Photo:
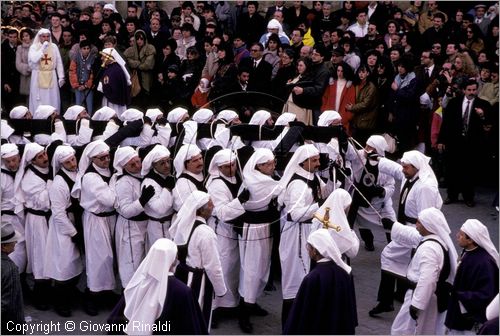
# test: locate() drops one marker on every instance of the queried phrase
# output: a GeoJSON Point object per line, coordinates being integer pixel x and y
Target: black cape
{"type": "Point", "coordinates": [325, 303]}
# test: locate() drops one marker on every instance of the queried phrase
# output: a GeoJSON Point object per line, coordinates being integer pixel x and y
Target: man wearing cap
{"type": "Point", "coordinates": [10, 165]}
{"type": "Point", "coordinates": [97, 198]}
{"type": "Point", "coordinates": [325, 302]}
{"type": "Point", "coordinates": [47, 71]}
{"type": "Point", "coordinates": [132, 222]}
{"type": "Point", "coordinates": [199, 262]}
{"type": "Point", "coordinates": [255, 239]}
{"type": "Point", "coordinates": [83, 132]}
{"type": "Point", "coordinates": [12, 295]}
{"type": "Point", "coordinates": [377, 187]}
{"type": "Point", "coordinates": [156, 170]}
{"type": "Point", "coordinates": [115, 81]}
{"type": "Point", "coordinates": [301, 198]}
{"type": "Point", "coordinates": [419, 191]}
{"type": "Point", "coordinates": [480, 19]}
{"type": "Point", "coordinates": [476, 281]}
{"type": "Point", "coordinates": [223, 185]}
{"type": "Point", "coordinates": [31, 190]}
{"type": "Point", "coordinates": [63, 261]}
{"type": "Point", "coordinates": [188, 165]}
{"type": "Point", "coordinates": [432, 266]}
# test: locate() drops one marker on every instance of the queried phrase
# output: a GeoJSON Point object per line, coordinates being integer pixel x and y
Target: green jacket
{"type": "Point", "coordinates": [366, 107]}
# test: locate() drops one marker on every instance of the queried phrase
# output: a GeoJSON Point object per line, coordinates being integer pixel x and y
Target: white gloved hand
{"type": "Point", "coordinates": [61, 82]}
{"type": "Point", "coordinates": [45, 45]}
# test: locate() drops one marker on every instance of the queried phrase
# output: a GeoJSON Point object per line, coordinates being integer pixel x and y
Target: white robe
{"type": "Point", "coordinates": [130, 235]}
{"type": "Point", "coordinates": [36, 196]}
{"type": "Point", "coordinates": [395, 257]}
{"type": "Point", "coordinates": [159, 206]}
{"type": "Point", "coordinates": [143, 140]}
{"type": "Point", "coordinates": [48, 96]}
{"type": "Point", "coordinates": [183, 188]}
{"type": "Point", "coordinates": [62, 257]}
{"type": "Point", "coordinates": [424, 269]}
{"type": "Point", "coordinates": [98, 197]}
{"type": "Point", "coordinates": [226, 208]}
{"type": "Point", "coordinates": [83, 137]}
{"type": "Point", "coordinates": [294, 258]}
{"type": "Point", "coordinates": [19, 256]}
{"type": "Point", "coordinates": [203, 253]}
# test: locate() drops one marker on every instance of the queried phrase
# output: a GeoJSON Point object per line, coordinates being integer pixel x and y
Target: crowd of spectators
{"type": "Point", "coordinates": [385, 66]}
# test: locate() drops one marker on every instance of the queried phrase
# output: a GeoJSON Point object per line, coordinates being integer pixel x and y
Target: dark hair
{"type": "Point", "coordinates": [406, 62]}
{"type": "Point", "coordinates": [187, 4]}
{"type": "Point", "coordinates": [228, 49]}
{"type": "Point", "coordinates": [261, 47]}
{"type": "Point", "coordinates": [13, 31]}
{"type": "Point", "coordinates": [255, 3]}
{"type": "Point", "coordinates": [307, 61]}
{"type": "Point", "coordinates": [188, 27]}
{"type": "Point", "coordinates": [348, 71]}
{"type": "Point", "coordinates": [469, 82]}
{"type": "Point", "coordinates": [170, 43]}
{"type": "Point", "coordinates": [273, 37]}
{"type": "Point", "coordinates": [28, 31]}
{"type": "Point", "coordinates": [56, 14]}
{"type": "Point", "coordinates": [300, 30]}
{"type": "Point", "coordinates": [132, 5]}
{"type": "Point", "coordinates": [110, 39]}
{"type": "Point", "coordinates": [440, 16]}
{"type": "Point", "coordinates": [290, 53]}
{"type": "Point", "coordinates": [84, 43]}
{"type": "Point", "coordinates": [395, 23]}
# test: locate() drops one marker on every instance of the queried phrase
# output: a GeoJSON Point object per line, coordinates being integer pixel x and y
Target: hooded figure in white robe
{"type": "Point", "coordinates": [45, 112]}
{"type": "Point", "coordinates": [97, 198]}
{"type": "Point", "coordinates": [17, 112]}
{"type": "Point", "coordinates": [223, 191]}
{"type": "Point", "coordinates": [105, 113]}
{"type": "Point", "coordinates": [256, 239]}
{"type": "Point", "coordinates": [146, 135]}
{"type": "Point", "coordinates": [131, 222]}
{"type": "Point", "coordinates": [8, 204]}
{"type": "Point", "coordinates": [47, 72]}
{"type": "Point", "coordinates": [160, 207]}
{"type": "Point", "coordinates": [199, 266]}
{"type": "Point", "coordinates": [202, 116]}
{"type": "Point", "coordinates": [83, 133]}
{"type": "Point", "coordinates": [424, 271]}
{"type": "Point", "coordinates": [163, 131]}
{"type": "Point", "coordinates": [187, 181]}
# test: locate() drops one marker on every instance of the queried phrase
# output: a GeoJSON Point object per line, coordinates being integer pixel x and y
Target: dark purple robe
{"type": "Point", "coordinates": [114, 85]}
{"type": "Point", "coordinates": [325, 303]}
{"type": "Point", "coordinates": [475, 285]}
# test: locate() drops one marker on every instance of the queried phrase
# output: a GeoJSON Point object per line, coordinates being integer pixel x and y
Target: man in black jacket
{"type": "Point", "coordinates": [10, 76]}
{"type": "Point", "coordinates": [261, 71]}
{"type": "Point", "coordinates": [465, 124]}
{"type": "Point", "coordinates": [312, 94]}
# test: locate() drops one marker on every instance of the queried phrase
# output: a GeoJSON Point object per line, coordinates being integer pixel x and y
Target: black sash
{"type": "Point", "coordinates": [45, 178]}
{"type": "Point", "coordinates": [443, 288]}
{"type": "Point", "coordinates": [99, 126]}
{"type": "Point", "coordinates": [9, 172]}
{"type": "Point", "coordinates": [21, 126]}
{"type": "Point", "coordinates": [76, 209]}
{"type": "Point", "coordinates": [142, 216]}
{"type": "Point", "coordinates": [233, 187]}
{"type": "Point", "coordinates": [313, 184]}
{"type": "Point", "coordinates": [43, 126]}
{"type": "Point", "coordinates": [198, 184]}
{"type": "Point", "coordinates": [70, 126]}
{"type": "Point", "coordinates": [168, 182]}
{"type": "Point", "coordinates": [182, 250]}
{"type": "Point", "coordinates": [402, 218]}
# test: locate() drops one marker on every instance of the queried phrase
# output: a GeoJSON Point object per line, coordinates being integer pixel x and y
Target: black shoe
{"type": "Point", "coordinates": [450, 200]}
{"type": "Point", "coordinates": [369, 246]}
{"type": "Point", "coordinates": [245, 325]}
{"type": "Point", "coordinates": [257, 310]}
{"type": "Point", "coordinates": [41, 306]}
{"type": "Point", "coordinates": [380, 308]}
{"type": "Point", "coordinates": [90, 304]}
{"type": "Point", "coordinates": [63, 311]}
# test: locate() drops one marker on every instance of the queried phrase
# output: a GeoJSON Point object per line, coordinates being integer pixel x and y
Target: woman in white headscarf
{"type": "Point", "coordinates": [47, 71]}
{"type": "Point", "coordinates": [63, 261]}
{"type": "Point", "coordinates": [420, 313]}
{"type": "Point", "coordinates": [154, 296]}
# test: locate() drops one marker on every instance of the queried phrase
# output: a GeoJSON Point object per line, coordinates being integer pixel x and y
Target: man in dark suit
{"type": "Point", "coordinates": [10, 76]}
{"type": "Point", "coordinates": [156, 36]}
{"type": "Point", "coordinates": [465, 125]}
{"type": "Point", "coordinates": [261, 71]}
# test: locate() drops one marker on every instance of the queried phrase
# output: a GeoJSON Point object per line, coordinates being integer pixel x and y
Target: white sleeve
{"type": "Point", "coordinates": [211, 261]}
{"type": "Point", "coordinates": [59, 199]}
{"type": "Point", "coordinates": [405, 235]}
{"type": "Point", "coordinates": [102, 191]}
{"type": "Point", "coordinates": [391, 168]}
{"type": "Point", "coordinates": [301, 210]}
{"type": "Point", "coordinates": [225, 207]}
{"type": "Point", "coordinates": [430, 264]}
{"type": "Point", "coordinates": [128, 206]}
{"type": "Point", "coordinates": [162, 201]}
{"type": "Point", "coordinates": [36, 190]}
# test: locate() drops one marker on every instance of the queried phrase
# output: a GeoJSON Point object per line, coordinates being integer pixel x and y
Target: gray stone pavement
{"type": "Point", "coordinates": [366, 271]}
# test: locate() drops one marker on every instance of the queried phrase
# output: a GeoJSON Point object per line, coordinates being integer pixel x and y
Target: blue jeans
{"type": "Point", "coordinates": [80, 97]}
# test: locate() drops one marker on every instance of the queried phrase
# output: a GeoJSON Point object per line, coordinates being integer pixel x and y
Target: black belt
{"type": "Point", "coordinates": [162, 219]}
{"type": "Point", "coordinates": [45, 214]}
{"type": "Point", "coordinates": [8, 212]}
{"type": "Point", "coordinates": [105, 214]}
{"type": "Point", "coordinates": [259, 217]}
{"type": "Point", "coordinates": [289, 219]}
{"type": "Point", "coordinates": [138, 218]}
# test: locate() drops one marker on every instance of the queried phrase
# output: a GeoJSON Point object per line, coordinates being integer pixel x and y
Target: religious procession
{"type": "Point", "coordinates": [169, 164]}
